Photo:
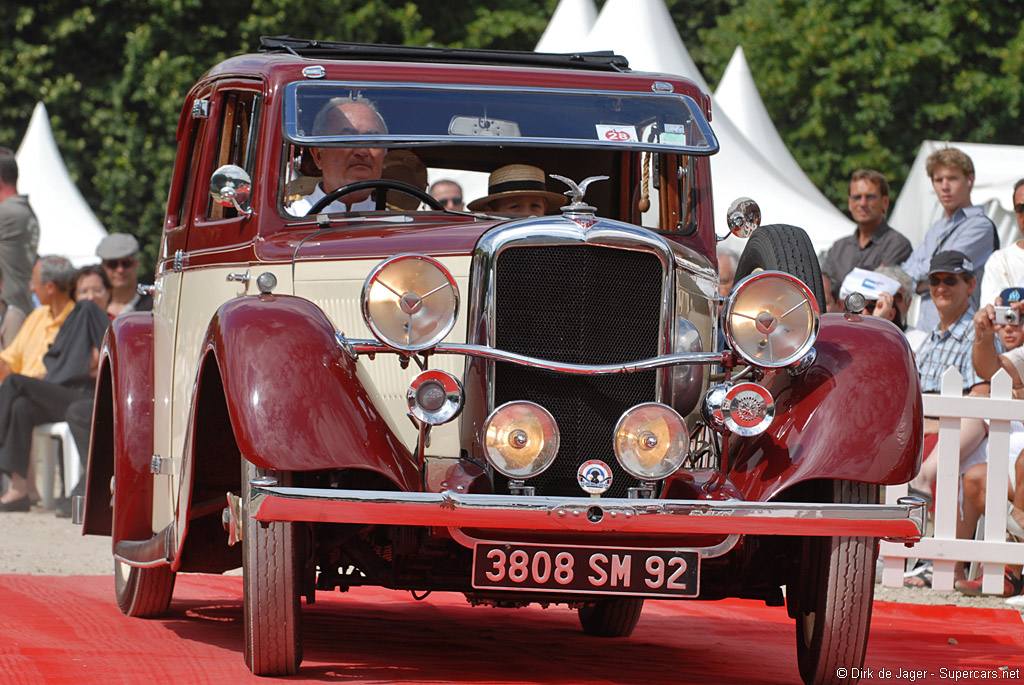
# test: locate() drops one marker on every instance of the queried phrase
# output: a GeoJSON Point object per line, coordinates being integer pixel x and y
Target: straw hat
{"type": "Point", "coordinates": [517, 179]}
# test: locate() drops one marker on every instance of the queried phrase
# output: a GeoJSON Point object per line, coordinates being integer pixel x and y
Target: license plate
{"type": "Point", "coordinates": [588, 570]}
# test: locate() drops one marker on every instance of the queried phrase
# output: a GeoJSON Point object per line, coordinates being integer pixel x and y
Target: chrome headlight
{"type": "Point", "coordinates": [651, 441]}
{"type": "Point", "coordinates": [771, 319]}
{"type": "Point", "coordinates": [520, 439]}
{"type": "Point", "coordinates": [410, 302]}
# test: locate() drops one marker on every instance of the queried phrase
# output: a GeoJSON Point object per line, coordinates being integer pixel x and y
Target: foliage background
{"type": "Point", "coordinates": [849, 85]}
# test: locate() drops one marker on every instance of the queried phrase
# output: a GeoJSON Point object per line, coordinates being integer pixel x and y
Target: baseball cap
{"type": "Point", "coordinates": [117, 246]}
{"type": "Point", "coordinates": [950, 262]}
{"type": "Point", "coordinates": [870, 284]}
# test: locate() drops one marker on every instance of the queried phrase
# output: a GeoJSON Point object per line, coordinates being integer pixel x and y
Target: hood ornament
{"type": "Point", "coordinates": [578, 210]}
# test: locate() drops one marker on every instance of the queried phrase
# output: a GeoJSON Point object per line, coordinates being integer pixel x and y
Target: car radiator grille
{"type": "Point", "coordinates": [580, 304]}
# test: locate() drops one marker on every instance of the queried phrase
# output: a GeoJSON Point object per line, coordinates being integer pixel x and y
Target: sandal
{"type": "Point", "coordinates": [921, 576]}
{"type": "Point", "coordinates": [1012, 585]}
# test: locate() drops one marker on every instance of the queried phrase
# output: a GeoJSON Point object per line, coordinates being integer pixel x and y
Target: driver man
{"type": "Point", "coordinates": [344, 165]}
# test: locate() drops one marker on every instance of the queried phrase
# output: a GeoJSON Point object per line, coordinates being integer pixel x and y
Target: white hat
{"type": "Point", "coordinates": [870, 284]}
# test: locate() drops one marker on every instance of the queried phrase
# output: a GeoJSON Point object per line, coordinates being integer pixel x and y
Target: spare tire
{"type": "Point", "coordinates": [780, 247]}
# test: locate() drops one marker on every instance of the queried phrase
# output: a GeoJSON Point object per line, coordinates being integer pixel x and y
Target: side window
{"type": "Point", "coordinates": [237, 140]}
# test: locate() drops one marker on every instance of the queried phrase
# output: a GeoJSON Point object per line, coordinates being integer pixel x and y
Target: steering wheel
{"type": "Point", "coordinates": [382, 184]}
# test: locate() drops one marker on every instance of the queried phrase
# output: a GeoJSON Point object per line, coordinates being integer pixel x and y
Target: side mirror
{"type": "Point", "coordinates": [231, 186]}
{"type": "Point", "coordinates": [743, 218]}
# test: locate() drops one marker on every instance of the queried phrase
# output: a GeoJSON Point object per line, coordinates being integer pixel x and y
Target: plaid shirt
{"type": "Point", "coordinates": [943, 349]}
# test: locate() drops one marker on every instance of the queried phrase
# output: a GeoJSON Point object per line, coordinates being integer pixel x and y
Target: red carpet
{"type": "Point", "coordinates": [69, 630]}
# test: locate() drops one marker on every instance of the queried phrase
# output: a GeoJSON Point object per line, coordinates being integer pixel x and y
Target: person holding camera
{"type": "Point", "coordinates": [1003, 320]}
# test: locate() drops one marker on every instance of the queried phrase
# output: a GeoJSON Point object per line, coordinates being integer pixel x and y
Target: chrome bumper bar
{"type": "Point", "coordinates": [354, 348]}
{"type": "Point", "coordinates": [902, 522]}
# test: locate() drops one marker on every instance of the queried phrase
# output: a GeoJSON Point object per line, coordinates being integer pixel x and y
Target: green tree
{"type": "Point", "coordinates": [114, 74]}
{"type": "Point", "coordinates": [862, 83]}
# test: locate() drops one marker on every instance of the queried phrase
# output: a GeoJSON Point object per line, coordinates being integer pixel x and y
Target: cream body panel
{"type": "Point", "coordinates": [202, 293]}
{"type": "Point", "coordinates": [335, 287]}
{"type": "Point", "coordinates": [165, 317]}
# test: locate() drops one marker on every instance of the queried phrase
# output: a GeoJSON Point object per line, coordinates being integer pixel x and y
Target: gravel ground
{"type": "Point", "coordinates": [38, 543]}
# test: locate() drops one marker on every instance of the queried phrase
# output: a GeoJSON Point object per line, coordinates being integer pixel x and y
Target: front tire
{"type": "Point", "coordinates": [616, 617]}
{"type": "Point", "coordinates": [143, 592]}
{"type": "Point", "coordinates": [780, 247]}
{"type": "Point", "coordinates": [271, 583]}
{"type": "Point", "coordinates": [835, 593]}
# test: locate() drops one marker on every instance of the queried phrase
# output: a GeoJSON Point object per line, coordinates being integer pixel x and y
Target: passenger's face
{"type": "Point", "coordinates": [449, 195]}
{"type": "Point", "coordinates": [344, 165]}
{"type": "Point", "coordinates": [952, 187]}
{"type": "Point", "coordinates": [90, 287]}
{"type": "Point", "coordinates": [521, 205]}
{"type": "Point", "coordinates": [867, 205]}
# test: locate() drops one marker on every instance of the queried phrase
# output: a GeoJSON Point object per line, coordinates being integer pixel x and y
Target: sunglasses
{"type": "Point", "coordinates": [451, 201]}
{"type": "Point", "coordinates": [126, 263]}
{"type": "Point", "coordinates": [1019, 208]}
{"type": "Point", "coordinates": [947, 280]}
{"type": "Point", "coordinates": [870, 197]}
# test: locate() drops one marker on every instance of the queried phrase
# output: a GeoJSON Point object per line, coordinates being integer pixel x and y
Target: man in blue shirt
{"type": "Point", "coordinates": [963, 227]}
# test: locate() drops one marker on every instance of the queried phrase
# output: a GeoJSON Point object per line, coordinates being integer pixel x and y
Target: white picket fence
{"type": "Point", "coordinates": [992, 549]}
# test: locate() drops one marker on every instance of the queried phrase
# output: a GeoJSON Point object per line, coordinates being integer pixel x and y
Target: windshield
{"type": "Point", "coordinates": [479, 115]}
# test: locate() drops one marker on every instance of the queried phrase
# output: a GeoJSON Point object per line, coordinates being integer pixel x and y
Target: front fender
{"type": "Point", "coordinates": [855, 414]}
{"type": "Point", "coordinates": [121, 442]}
{"type": "Point", "coordinates": [296, 402]}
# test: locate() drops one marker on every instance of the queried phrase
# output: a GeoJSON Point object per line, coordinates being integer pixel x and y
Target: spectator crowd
{"type": "Point", "coordinates": [53, 318]}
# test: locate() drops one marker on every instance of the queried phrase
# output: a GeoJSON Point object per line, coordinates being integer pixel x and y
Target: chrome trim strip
{"type": "Point", "coordinates": [357, 347]}
{"type": "Point", "coordinates": [451, 509]}
{"type": "Point", "coordinates": [468, 541]}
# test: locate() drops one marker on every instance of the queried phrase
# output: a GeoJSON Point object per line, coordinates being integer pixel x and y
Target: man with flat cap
{"type": "Point", "coordinates": [120, 255]}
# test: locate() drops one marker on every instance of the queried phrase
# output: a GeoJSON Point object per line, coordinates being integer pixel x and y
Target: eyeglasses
{"type": "Point", "coordinates": [450, 201]}
{"type": "Point", "coordinates": [870, 197]}
{"type": "Point", "coordinates": [126, 263]}
{"type": "Point", "coordinates": [1019, 208]}
{"type": "Point", "coordinates": [950, 281]}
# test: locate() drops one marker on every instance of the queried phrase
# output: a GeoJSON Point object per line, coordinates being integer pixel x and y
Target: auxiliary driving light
{"type": "Point", "coordinates": [748, 409]}
{"type": "Point", "coordinates": [651, 441]}
{"type": "Point", "coordinates": [520, 439]}
{"type": "Point", "coordinates": [410, 302]}
{"type": "Point", "coordinates": [435, 397]}
{"type": "Point", "coordinates": [771, 319]}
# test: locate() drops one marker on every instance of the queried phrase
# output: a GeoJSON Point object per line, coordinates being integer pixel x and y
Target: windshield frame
{"type": "Point", "coordinates": [292, 134]}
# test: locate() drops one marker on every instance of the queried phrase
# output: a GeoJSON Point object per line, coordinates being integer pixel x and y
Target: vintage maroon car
{"type": "Point", "coordinates": [557, 409]}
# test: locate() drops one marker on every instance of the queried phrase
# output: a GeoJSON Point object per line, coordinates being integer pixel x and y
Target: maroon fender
{"type": "Point", "coordinates": [855, 414]}
{"type": "Point", "coordinates": [293, 396]}
{"type": "Point", "coordinates": [122, 437]}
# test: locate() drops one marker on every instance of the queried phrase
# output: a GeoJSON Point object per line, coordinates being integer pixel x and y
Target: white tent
{"type": "Point", "coordinates": [996, 169]}
{"type": "Point", "coordinates": [738, 97]}
{"type": "Point", "coordinates": [67, 225]}
{"type": "Point", "coordinates": [643, 31]}
{"type": "Point", "coordinates": [568, 28]}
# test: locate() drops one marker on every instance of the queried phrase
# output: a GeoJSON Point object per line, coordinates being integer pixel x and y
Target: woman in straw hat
{"type": "Point", "coordinates": [518, 189]}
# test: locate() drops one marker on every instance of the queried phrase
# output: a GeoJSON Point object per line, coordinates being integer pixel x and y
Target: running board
{"type": "Point", "coordinates": [156, 551]}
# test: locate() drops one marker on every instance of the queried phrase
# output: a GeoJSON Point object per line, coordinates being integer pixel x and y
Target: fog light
{"type": "Point", "coordinates": [520, 439]}
{"type": "Point", "coordinates": [435, 397]}
{"type": "Point", "coordinates": [748, 409]}
{"type": "Point", "coordinates": [410, 302]}
{"type": "Point", "coordinates": [651, 441]}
